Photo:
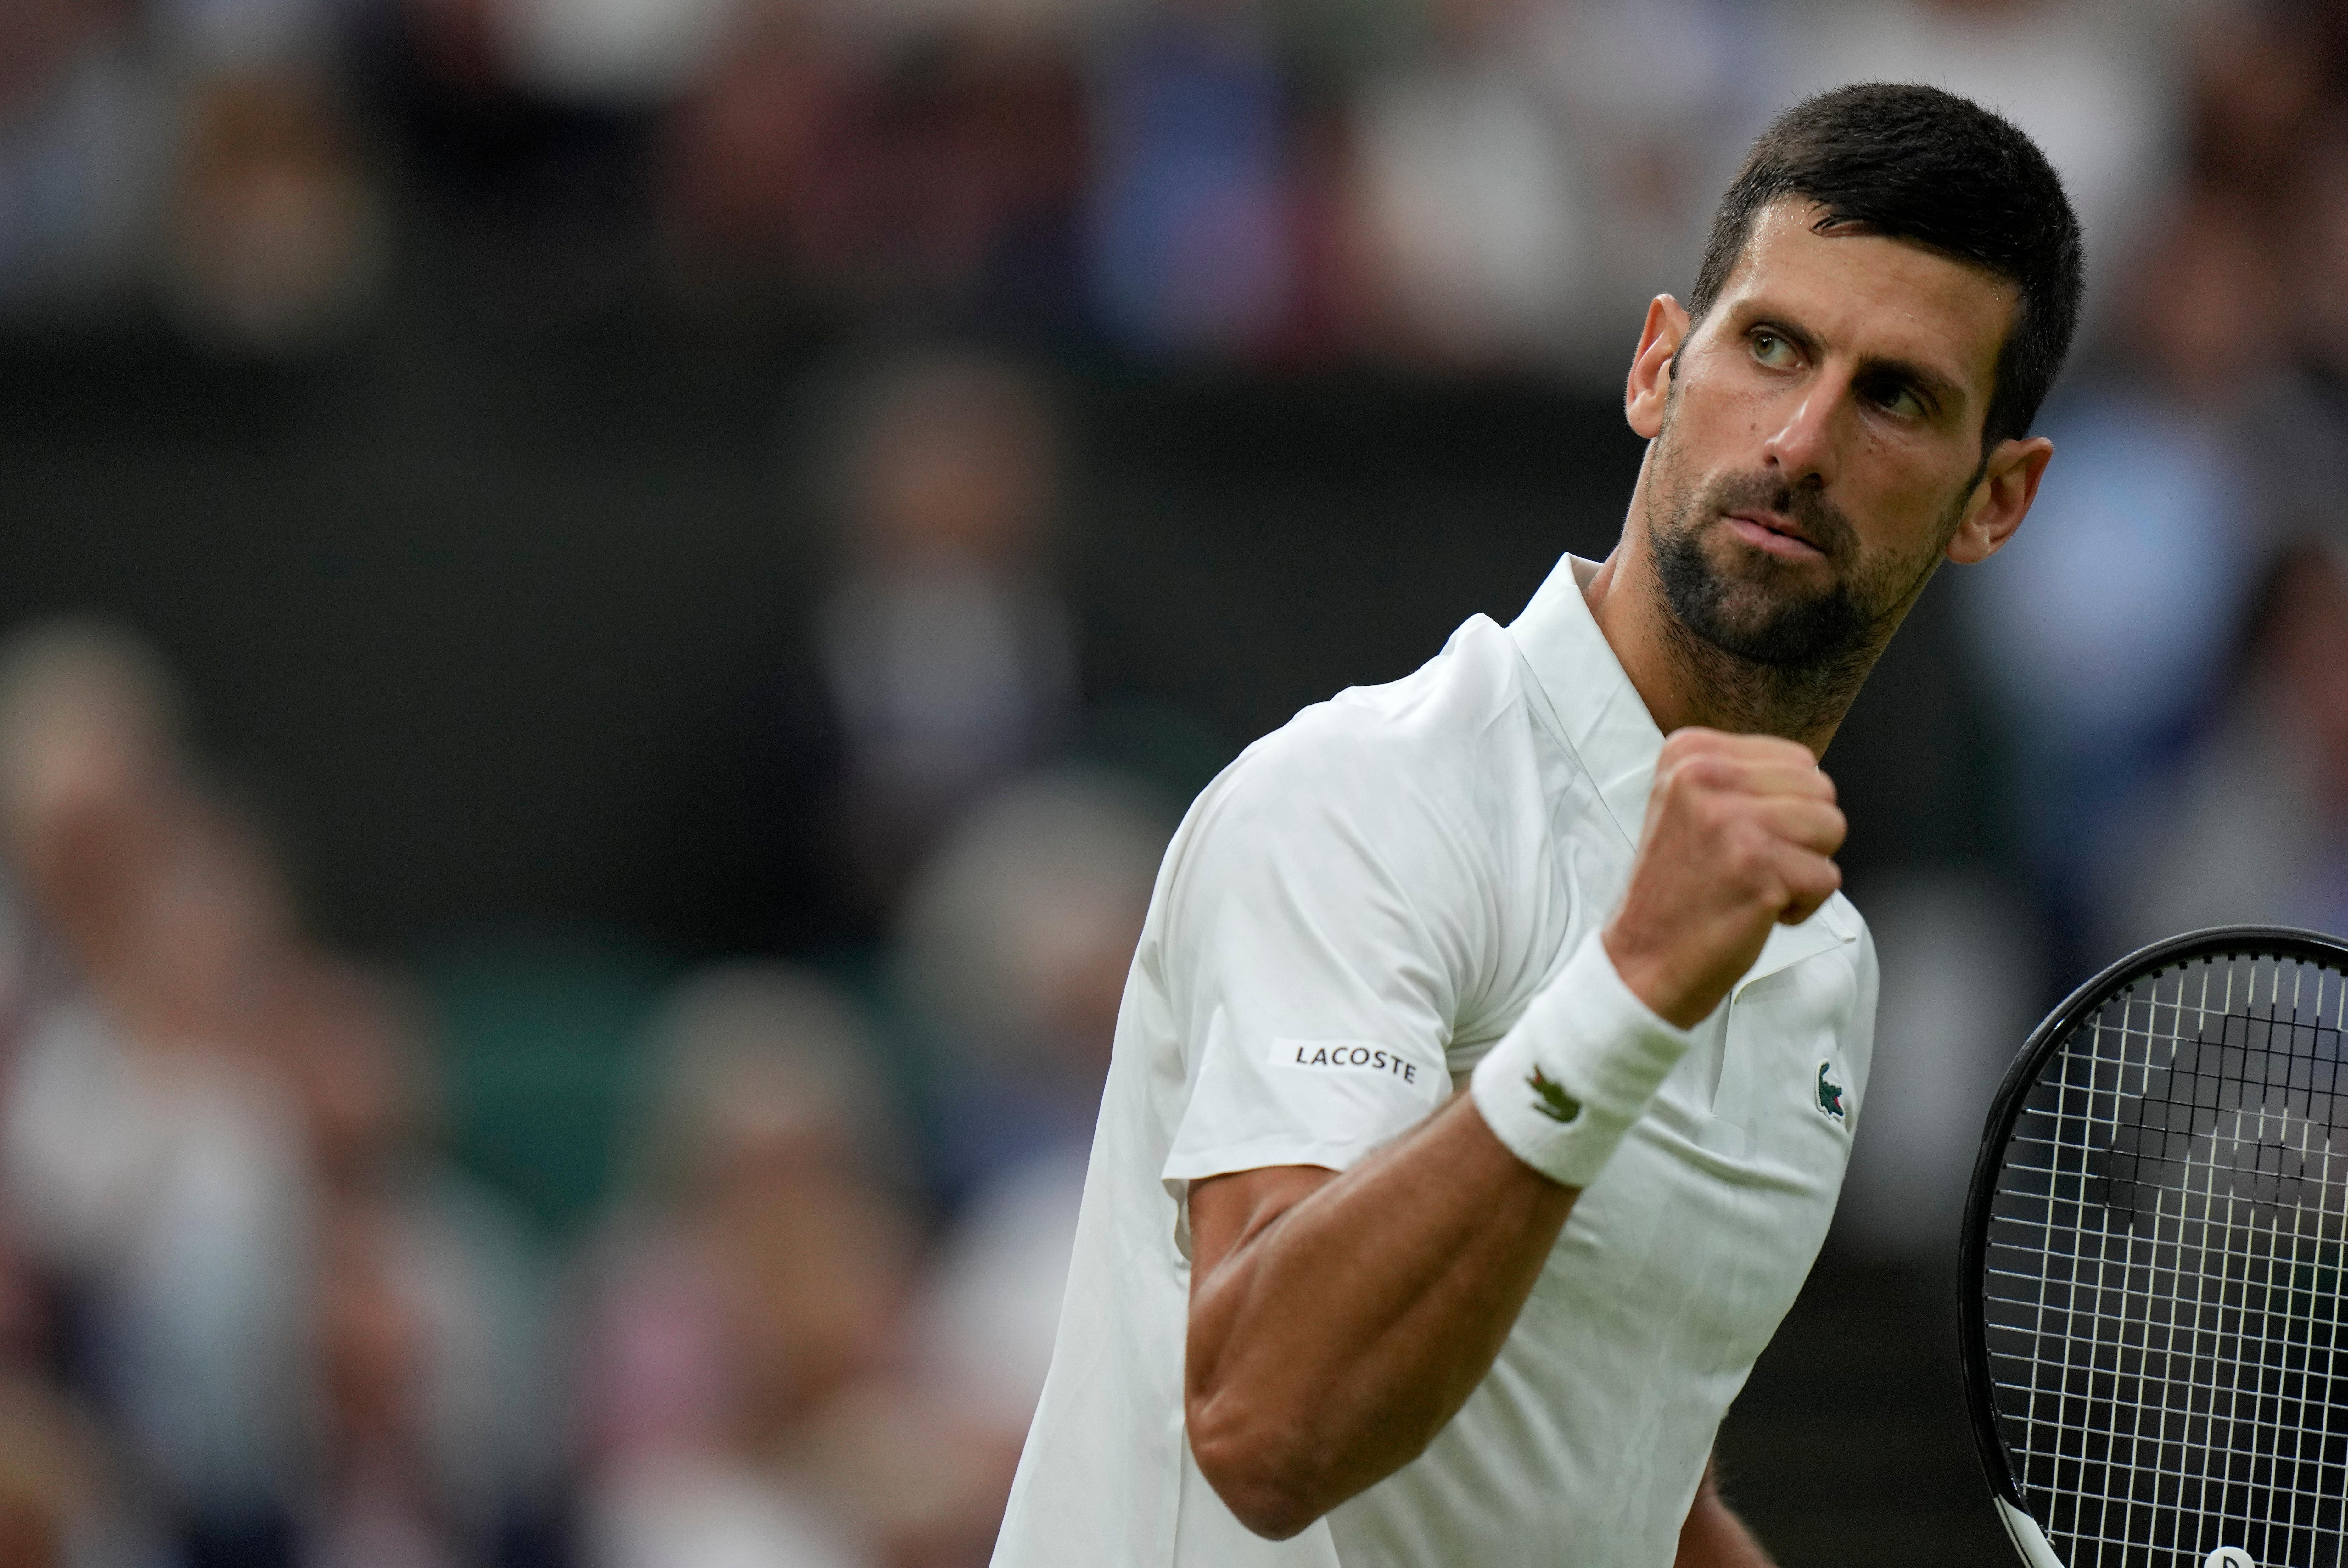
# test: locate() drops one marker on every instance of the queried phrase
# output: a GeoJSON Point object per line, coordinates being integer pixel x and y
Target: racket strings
{"type": "Point", "coordinates": [2163, 1278]}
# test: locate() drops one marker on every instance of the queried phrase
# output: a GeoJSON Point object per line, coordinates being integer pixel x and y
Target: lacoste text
{"type": "Point", "coordinates": [1370, 1057]}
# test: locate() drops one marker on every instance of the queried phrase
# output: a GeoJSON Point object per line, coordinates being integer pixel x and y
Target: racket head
{"type": "Point", "coordinates": [2161, 1182]}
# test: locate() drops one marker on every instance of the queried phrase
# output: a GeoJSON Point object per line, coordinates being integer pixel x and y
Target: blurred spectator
{"type": "Point", "coordinates": [615, 52]}
{"type": "Point", "coordinates": [81, 144]}
{"type": "Point", "coordinates": [747, 1391]}
{"type": "Point", "coordinates": [2257, 76]}
{"type": "Point", "coordinates": [942, 656]}
{"type": "Point", "coordinates": [192, 144]}
{"type": "Point", "coordinates": [2095, 82]}
{"type": "Point", "coordinates": [747, 153]}
{"type": "Point", "coordinates": [2103, 627]}
{"type": "Point", "coordinates": [1540, 170]}
{"type": "Point", "coordinates": [316, 1340]}
{"type": "Point", "coordinates": [1662, 97]}
{"type": "Point", "coordinates": [2254, 827]}
{"type": "Point", "coordinates": [436, 1418]}
{"type": "Point", "coordinates": [271, 237]}
{"type": "Point", "coordinates": [1471, 203]}
{"type": "Point", "coordinates": [1193, 226]}
{"type": "Point", "coordinates": [274, 242]}
{"type": "Point", "coordinates": [153, 1161]}
{"type": "Point", "coordinates": [90, 771]}
{"type": "Point", "coordinates": [1015, 944]}
{"type": "Point", "coordinates": [873, 155]}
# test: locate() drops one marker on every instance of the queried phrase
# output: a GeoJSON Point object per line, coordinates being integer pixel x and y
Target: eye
{"type": "Point", "coordinates": [1771, 350]}
{"type": "Point", "coordinates": [1898, 398]}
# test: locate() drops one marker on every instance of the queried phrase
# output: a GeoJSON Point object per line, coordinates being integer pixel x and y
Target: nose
{"type": "Point", "coordinates": [1802, 448]}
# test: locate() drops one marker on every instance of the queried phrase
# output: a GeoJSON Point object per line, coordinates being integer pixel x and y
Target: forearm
{"type": "Point", "coordinates": [1331, 1342]}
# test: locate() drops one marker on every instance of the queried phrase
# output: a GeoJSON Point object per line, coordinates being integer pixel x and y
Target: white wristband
{"type": "Point", "coordinates": [1565, 1084]}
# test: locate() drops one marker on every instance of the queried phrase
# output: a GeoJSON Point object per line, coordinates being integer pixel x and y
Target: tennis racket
{"type": "Point", "coordinates": [2152, 1297]}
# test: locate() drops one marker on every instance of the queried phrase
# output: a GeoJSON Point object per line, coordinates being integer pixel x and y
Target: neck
{"type": "Point", "coordinates": [1685, 680]}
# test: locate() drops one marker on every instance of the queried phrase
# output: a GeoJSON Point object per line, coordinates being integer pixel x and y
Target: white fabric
{"type": "Point", "coordinates": [1349, 919]}
{"type": "Point", "coordinates": [168, 1181]}
{"type": "Point", "coordinates": [1580, 1068]}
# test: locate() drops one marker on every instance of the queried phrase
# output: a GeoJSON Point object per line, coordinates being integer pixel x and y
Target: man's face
{"type": "Point", "coordinates": [1821, 441]}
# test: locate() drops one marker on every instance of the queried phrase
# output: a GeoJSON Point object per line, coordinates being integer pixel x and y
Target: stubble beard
{"type": "Point", "coordinates": [1771, 651]}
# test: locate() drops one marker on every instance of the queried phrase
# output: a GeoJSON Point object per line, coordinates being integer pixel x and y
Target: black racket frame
{"type": "Point", "coordinates": [1972, 1328]}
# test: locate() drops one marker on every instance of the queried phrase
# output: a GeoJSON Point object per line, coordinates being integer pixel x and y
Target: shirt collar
{"type": "Point", "coordinates": [1598, 712]}
{"type": "Point", "coordinates": [1588, 698]}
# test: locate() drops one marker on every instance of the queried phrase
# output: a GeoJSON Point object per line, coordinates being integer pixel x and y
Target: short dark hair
{"type": "Point", "coordinates": [1918, 164]}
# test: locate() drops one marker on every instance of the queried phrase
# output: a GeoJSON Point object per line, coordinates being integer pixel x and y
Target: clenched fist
{"type": "Point", "coordinates": [1740, 834]}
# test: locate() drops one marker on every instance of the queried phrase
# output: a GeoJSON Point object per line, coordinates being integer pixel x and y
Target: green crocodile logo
{"type": "Point", "coordinates": [1552, 1101]}
{"type": "Point", "coordinates": [1830, 1095]}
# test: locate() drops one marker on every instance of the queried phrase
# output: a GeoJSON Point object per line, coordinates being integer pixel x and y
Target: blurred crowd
{"type": "Point", "coordinates": [254, 1307]}
{"type": "Point", "coordinates": [252, 1313]}
{"type": "Point", "coordinates": [1460, 184]}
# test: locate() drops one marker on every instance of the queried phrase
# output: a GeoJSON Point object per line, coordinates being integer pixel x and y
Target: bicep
{"type": "Point", "coordinates": [1227, 1214]}
{"type": "Point", "coordinates": [1230, 1211]}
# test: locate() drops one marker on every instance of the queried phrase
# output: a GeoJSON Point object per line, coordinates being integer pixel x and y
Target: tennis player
{"type": "Point", "coordinates": [1488, 1067]}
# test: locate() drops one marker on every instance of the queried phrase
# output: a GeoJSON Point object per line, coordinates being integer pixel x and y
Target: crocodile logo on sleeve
{"type": "Point", "coordinates": [1552, 1101]}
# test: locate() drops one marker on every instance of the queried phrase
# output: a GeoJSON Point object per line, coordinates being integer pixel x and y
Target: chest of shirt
{"type": "Point", "coordinates": [1768, 1091]}
{"type": "Point", "coordinates": [1692, 1243]}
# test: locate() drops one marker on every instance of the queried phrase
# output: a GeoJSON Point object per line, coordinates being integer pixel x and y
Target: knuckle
{"type": "Point", "coordinates": [1706, 772]}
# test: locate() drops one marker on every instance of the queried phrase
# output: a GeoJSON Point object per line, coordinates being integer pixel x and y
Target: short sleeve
{"type": "Point", "coordinates": [1314, 993]}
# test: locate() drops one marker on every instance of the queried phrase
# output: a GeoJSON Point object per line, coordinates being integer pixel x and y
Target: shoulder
{"type": "Point", "coordinates": [1421, 742]}
{"type": "Point", "coordinates": [1402, 790]}
{"type": "Point", "coordinates": [1427, 764]}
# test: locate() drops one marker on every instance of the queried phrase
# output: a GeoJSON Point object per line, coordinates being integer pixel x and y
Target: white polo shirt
{"type": "Point", "coordinates": [1348, 919]}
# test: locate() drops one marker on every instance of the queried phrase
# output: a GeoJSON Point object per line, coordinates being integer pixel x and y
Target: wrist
{"type": "Point", "coordinates": [1564, 1086]}
{"type": "Point", "coordinates": [1652, 976]}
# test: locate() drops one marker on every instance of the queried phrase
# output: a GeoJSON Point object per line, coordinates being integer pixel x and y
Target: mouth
{"type": "Point", "coordinates": [1775, 533]}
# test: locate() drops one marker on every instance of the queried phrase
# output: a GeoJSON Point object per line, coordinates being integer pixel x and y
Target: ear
{"type": "Point", "coordinates": [2009, 484]}
{"type": "Point", "coordinates": [1650, 385]}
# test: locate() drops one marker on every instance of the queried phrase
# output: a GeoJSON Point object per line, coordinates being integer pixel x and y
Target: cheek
{"type": "Point", "coordinates": [1906, 505]}
{"type": "Point", "coordinates": [1711, 431]}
